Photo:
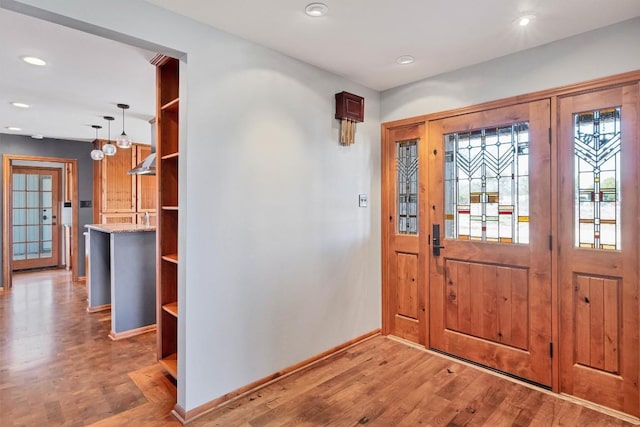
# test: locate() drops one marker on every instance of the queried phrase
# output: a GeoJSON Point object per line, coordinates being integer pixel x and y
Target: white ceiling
{"type": "Point", "coordinates": [361, 39]}
{"type": "Point", "coordinates": [87, 76]}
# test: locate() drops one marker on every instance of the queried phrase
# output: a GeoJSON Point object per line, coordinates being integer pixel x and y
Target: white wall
{"type": "Point", "coordinates": [599, 53]}
{"type": "Point", "coordinates": [277, 261]}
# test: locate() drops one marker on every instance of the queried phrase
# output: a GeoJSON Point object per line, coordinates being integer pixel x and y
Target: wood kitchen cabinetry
{"type": "Point", "coordinates": [121, 198]}
{"type": "Point", "coordinates": [168, 155]}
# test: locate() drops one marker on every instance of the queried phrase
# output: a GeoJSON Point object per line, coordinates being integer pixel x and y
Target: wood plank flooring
{"type": "Point", "coordinates": [58, 367]}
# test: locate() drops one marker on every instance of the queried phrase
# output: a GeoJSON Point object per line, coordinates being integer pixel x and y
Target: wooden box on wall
{"type": "Point", "coordinates": [349, 106]}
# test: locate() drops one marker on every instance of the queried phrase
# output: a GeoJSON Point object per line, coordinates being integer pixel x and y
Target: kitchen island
{"type": "Point", "coordinates": [121, 275]}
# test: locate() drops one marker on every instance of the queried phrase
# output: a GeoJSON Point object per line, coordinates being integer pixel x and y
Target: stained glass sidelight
{"type": "Point", "coordinates": [597, 179]}
{"type": "Point", "coordinates": [487, 184]}
{"type": "Point", "coordinates": [407, 187]}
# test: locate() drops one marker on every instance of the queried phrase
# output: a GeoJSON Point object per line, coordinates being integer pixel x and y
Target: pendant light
{"type": "Point", "coordinates": [123, 141]}
{"type": "Point", "coordinates": [109, 149]}
{"type": "Point", "coordinates": [97, 153]}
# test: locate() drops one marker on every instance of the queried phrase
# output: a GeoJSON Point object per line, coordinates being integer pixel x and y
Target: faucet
{"type": "Point", "coordinates": [146, 219]}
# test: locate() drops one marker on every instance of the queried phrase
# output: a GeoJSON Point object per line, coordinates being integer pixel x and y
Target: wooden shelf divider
{"type": "Point", "coordinates": [170, 363]}
{"type": "Point", "coordinates": [171, 105]}
{"type": "Point", "coordinates": [171, 156]}
{"type": "Point", "coordinates": [171, 308]}
{"type": "Point", "coordinates": [171, 258]}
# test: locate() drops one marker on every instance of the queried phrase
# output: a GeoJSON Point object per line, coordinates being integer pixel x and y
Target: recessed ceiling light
{"type": "Point", "coordinates": [316, 10]}
{"type": "Point", "coordinates": [405, 59]}
{"type": "Point", "coordinates": [34, 61]}
{"type": "Point", "coordinates": [13, 128]}
{"type": "Point", "coordinates": [20, 105]}
{"type": "Point", "coordinates": [525, 20]}
{"type": "Point", "coordinates": [37, 136]}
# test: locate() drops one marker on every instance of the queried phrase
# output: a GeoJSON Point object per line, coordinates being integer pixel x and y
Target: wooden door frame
{"type": "Point", "coordinates": [553, 94]}
{"type": "Point", "coordinates": [7, 169]}
{"type": "Point", "coordinates": [59, 171]}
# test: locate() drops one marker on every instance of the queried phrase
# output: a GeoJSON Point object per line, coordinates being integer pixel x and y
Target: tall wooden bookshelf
{"type": "Point", "coordinates": [167, 156]}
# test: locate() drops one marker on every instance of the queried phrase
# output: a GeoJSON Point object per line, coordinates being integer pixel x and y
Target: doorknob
{"type": "Point", "coordinates": [436, 240]}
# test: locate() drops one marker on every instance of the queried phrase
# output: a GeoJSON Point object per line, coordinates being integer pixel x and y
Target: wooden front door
{"type": "Point", "coordinates": [404, 245]}
{"type": "Point", "coordinates": [35, 205]}
{"type": "Point", "coordinates": [598, 247]}
{"type": "Point", "coordinates": [490, 224]}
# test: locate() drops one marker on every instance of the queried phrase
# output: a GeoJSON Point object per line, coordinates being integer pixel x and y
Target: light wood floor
{"type": "Point", "coordinates": [58, 367]}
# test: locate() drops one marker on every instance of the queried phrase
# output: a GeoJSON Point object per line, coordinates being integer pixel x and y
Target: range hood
{"type": "Point", "coordinates": [145, 167]}
{"type": "Point", "coordinates": [148, 165]}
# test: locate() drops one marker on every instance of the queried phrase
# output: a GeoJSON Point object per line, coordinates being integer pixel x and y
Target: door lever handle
{"type": "Point", "coordinates": [436, 240]}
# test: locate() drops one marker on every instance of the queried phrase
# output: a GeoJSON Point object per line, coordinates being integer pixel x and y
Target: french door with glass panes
{"type": "Point", "coordinates": [489, 224]}
{"type": "Point", "coordinates": [35, 205]}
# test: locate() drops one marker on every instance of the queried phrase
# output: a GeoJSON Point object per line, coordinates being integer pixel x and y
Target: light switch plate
{"type": "Point", "coordinates": [362, 200]}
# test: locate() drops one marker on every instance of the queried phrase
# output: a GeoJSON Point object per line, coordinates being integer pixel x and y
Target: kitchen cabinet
{"type": "Point", "coordinates": [121, 275]}
{"type": "Point", "coordinates": [119, 197]}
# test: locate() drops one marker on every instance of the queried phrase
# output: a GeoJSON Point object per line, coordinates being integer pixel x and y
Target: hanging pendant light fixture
{"type": "Point", "coordinates": [97, 153]}
{"type": "Point", "coordinates": [123, 141]}
{"type": "Point", "coordinates": [109, 149]}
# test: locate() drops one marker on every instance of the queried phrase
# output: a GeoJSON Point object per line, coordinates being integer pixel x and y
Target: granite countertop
{"type": "Point", "coordinates": [120, 228]}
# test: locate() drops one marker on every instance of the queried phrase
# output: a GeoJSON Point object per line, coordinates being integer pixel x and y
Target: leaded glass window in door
{"type": "Point", "coordinates": [407, 185]}
{"type": "Point", "coordinates": [597, 144]}
{"type": "Point", "coordinates": [487, 184]}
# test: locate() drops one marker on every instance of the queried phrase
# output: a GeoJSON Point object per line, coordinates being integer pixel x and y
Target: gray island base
{"type": "Point", "coordinates": [121, 275]}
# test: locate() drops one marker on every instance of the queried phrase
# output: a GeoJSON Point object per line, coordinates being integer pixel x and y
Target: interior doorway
{"type": "Point", "coordinates": [35, 192]}
{"type": "Point", "coordinates": [35, 211]}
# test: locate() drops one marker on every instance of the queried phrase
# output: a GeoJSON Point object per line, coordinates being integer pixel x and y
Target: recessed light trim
{"type": "Point", "coordinates": [14, 128]}
{"type": "Point", "coordinates": [525, 19]}
{"type": "Point", "coordinates": [405, 59]}
{"type": "Point", "coordinates": [20, 105]}
{"type": "Point", "coordinates": [316, 10]}
{"type": "Point", "coordinates": [34, 61]}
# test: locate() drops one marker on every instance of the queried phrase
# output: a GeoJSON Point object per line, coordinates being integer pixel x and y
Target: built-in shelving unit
{"type": "Point", "coordinates": [167, 229]}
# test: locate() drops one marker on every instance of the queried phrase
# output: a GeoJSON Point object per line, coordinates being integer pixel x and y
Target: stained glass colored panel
{"type": "Point", "coordinates": [487, 184]}
{"type": "Point", "coordinates": [597, 142]}
{"type": "Point", "coordinates": [407, 187]}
